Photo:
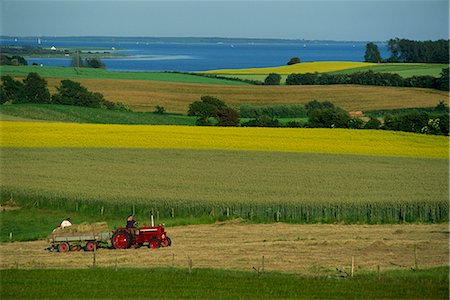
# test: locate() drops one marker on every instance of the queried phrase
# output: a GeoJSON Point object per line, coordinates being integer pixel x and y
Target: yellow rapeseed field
{"type": "Point", "coordinates": [364, 142]}
{"type": "Point", "coordinates": [307, 67]}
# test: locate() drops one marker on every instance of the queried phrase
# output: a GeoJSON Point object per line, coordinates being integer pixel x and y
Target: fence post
{"type": "Point", "coordinates": [103, 208]}
{"type": "Point", "coordinates": [379, 273]}
{"type": "Point", "coordinates": [10, 236]}
{"type": "Point", "coordinates": [93, 257]}
{"type": "Point", "coordinates": [353, 265]}
{"type": "Point", "coordinates": [416, 267]}
{"type": "Point", "coordinates": [262, 264]}
{"type": "Point", "coordinates": [173, 212]}
{"type": "Point", "coordinates": [190, 265]}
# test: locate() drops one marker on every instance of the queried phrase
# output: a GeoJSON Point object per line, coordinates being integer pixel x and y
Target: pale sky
{"type": "Point", "coordinates": [333, 19]}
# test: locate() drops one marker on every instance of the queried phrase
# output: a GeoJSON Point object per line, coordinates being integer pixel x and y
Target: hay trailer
{"type": "Point", "coordinates": [75, 241]}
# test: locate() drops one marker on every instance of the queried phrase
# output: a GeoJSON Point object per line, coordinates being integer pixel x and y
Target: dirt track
{"type": "Point", "coordinates": [289, 248]}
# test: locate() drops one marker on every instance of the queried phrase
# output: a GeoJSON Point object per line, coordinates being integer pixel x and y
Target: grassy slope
{"type": "Point", "coordinates": [217, 284]}
{"type": "Point", "coordinates": [175, 97]}
{"type": "Point", "coordinates": [169, 177]}
{"type": "Point", "coordinates": [64, 113]}
{"type": "Point", "coordinates": [73, 73]}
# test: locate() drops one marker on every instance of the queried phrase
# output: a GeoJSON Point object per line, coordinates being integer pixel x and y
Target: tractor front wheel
{"type": "Point", "coordinates": [166, 242]}
{"type": "Point", "coordinates": [154, 244]}
{"type": "Point", "coordinates": [121, 239]}
{"type": "Point", "coordinates": [90, 246]}
{"type": "Point", "coordinates": [63, 247]}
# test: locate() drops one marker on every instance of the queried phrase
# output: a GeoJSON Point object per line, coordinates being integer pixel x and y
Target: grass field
{"type": "Point", "coordinates": [76, 73]}
{"type": "Point", "coordinates": [209, 284]}
{"type": "Point", "coordinates": [76, 114]}
{"type": "Point", "coordinates": [175, 97]}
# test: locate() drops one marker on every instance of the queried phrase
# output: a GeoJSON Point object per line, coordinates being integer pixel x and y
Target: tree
{"type": "Point", "coordinates": [206, 108]}
{"type": "Point", "coordinates": [272, 79]}
{"type": "Point", "coordinates": [35, 89]}
{"type": "Point", "coordinates": [77, 61]}
{"type": "Point", "coordinates": [12, 91]}
{"type": "Point", "coordinates": [159, 109]}
{"type": "Point", "coordinates": [228, 117]}
{"type": "Point", "coordinates": [293, 61]}
{"type": "Point", "coordinates": [73, 93]}
{"type": "Point", "coordinates": [373, 123]}
{"type": "Point", "coordinates": [372, 53]}
{"type": "Point", "coordinates": [94, 63]}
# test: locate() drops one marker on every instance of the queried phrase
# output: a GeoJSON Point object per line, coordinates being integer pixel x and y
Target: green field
{"type": "Point", "coordinates": [265, 186]}
{"type": "Point", "coordinates": [76, 114]}
{"type": "Point", "coordinates": [217, 284]}
{"type": "Point", "coordinates": [74, 73]}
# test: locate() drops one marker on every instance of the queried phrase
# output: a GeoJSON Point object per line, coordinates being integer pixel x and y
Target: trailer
{"type": "Point", "coordinates": [76, 241]}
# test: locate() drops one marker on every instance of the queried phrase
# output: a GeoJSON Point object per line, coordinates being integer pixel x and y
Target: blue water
{"type": "Point", "coordinates": [204, 56]}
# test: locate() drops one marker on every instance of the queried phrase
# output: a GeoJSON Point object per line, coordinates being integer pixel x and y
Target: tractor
{"type": "Point", "coordinates": [153, 236]}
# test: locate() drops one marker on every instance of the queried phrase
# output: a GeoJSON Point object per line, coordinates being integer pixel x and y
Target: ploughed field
{"type": "Point", "coordinates": [294, 175]}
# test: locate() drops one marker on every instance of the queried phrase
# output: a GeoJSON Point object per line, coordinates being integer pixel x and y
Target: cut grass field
{"type": "Point", "coordinates": [216, 284]}
{"type": "Point", "coordinates": [144, 95]}
{"type": "Point", "coordinates": [77, 73]}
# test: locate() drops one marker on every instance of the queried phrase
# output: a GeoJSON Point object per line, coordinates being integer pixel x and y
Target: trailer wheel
{"type": "Point", "coordinates": [154, 244]}
{"type": "Point", "coordinates": [63, 247]}
{"type": "Point", "coordinates": [90, 246]}
{"type": "Point", "coordinates": [121, 239]}
{"type": "Point", "coordinates": [166, 242]}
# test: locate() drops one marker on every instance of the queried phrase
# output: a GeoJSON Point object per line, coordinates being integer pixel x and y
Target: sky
{"type": "Point", "coordinates": [363, 20]}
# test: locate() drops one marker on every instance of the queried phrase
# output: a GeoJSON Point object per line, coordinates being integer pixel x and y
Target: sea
{"type": "Point", "coordinates": [196, 54]}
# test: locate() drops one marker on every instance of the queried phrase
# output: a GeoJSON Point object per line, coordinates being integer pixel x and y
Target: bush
{"type": "Point", "coordinates": [373, 123]}
{"type": "Point", "coordinates": [272, 79]}
{"type": "Point", "coordinates": [94, 63]}
{"type": "Point", "coordinates": [279, 111]}
{"type": "Point", "coordinates": [262, 121]}
{"type": "Point", "coordinates": [293, 61]}
{"type": "Point", "coordinates": [207, 107]}
{"type": "Point", "coordinates": [159, 109]}
{"type": "Point", "coordinates": [329, 118]}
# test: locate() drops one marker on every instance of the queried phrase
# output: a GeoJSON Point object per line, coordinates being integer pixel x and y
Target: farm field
{"type": "Point", "coordinates": [403, 69]}
{"type": "Point", "coordinates": [313, 249]}
{"type": "Point", "coordinates": [77, 73]}
{"type": "Point", "coordinates": [144, 95]}
{"type": "Point", "coordinates": [306, 67]}
{"type": "Point", "coordinates": [212, 284]}
{"type": "Point", "coordinates": [318, 140]}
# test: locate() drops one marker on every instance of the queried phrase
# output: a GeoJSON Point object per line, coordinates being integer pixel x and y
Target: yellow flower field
{"type": "Point", "coordinates": [364, 142]}
{"type": "Point", "coordinates": [307, 67]}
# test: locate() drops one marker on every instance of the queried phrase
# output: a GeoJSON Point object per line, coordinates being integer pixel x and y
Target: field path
{"type": "Point", "coordinates": [305, 249]}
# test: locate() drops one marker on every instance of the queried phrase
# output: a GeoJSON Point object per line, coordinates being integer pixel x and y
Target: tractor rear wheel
{"type": "Point", "coordinates": [90, 246]}
{"type": "Point", "coordinates": [154, 244]}
{"type": "Point", "coordinates": [63, 247]}
{"type": "Point", "coordinates": [166, 242]}
{"type": "Point", "coordinates": [121, 239]}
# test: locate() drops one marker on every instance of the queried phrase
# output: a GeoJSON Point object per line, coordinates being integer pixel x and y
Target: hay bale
{"type": "Point", "coordinates": [87, 227]}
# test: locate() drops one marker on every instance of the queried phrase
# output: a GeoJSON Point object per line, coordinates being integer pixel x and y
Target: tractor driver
{"type": "Point", "coordinates": [131, 222]}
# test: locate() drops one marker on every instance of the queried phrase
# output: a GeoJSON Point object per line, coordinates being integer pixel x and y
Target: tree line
{"type": "Point", "coordinates": [372, 78]}
{"type": "Point", "coordinates": [33, 89]}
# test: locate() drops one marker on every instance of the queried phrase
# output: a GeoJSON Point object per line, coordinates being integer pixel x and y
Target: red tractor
{"type": "Point", "coordinates": [153, 236]}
